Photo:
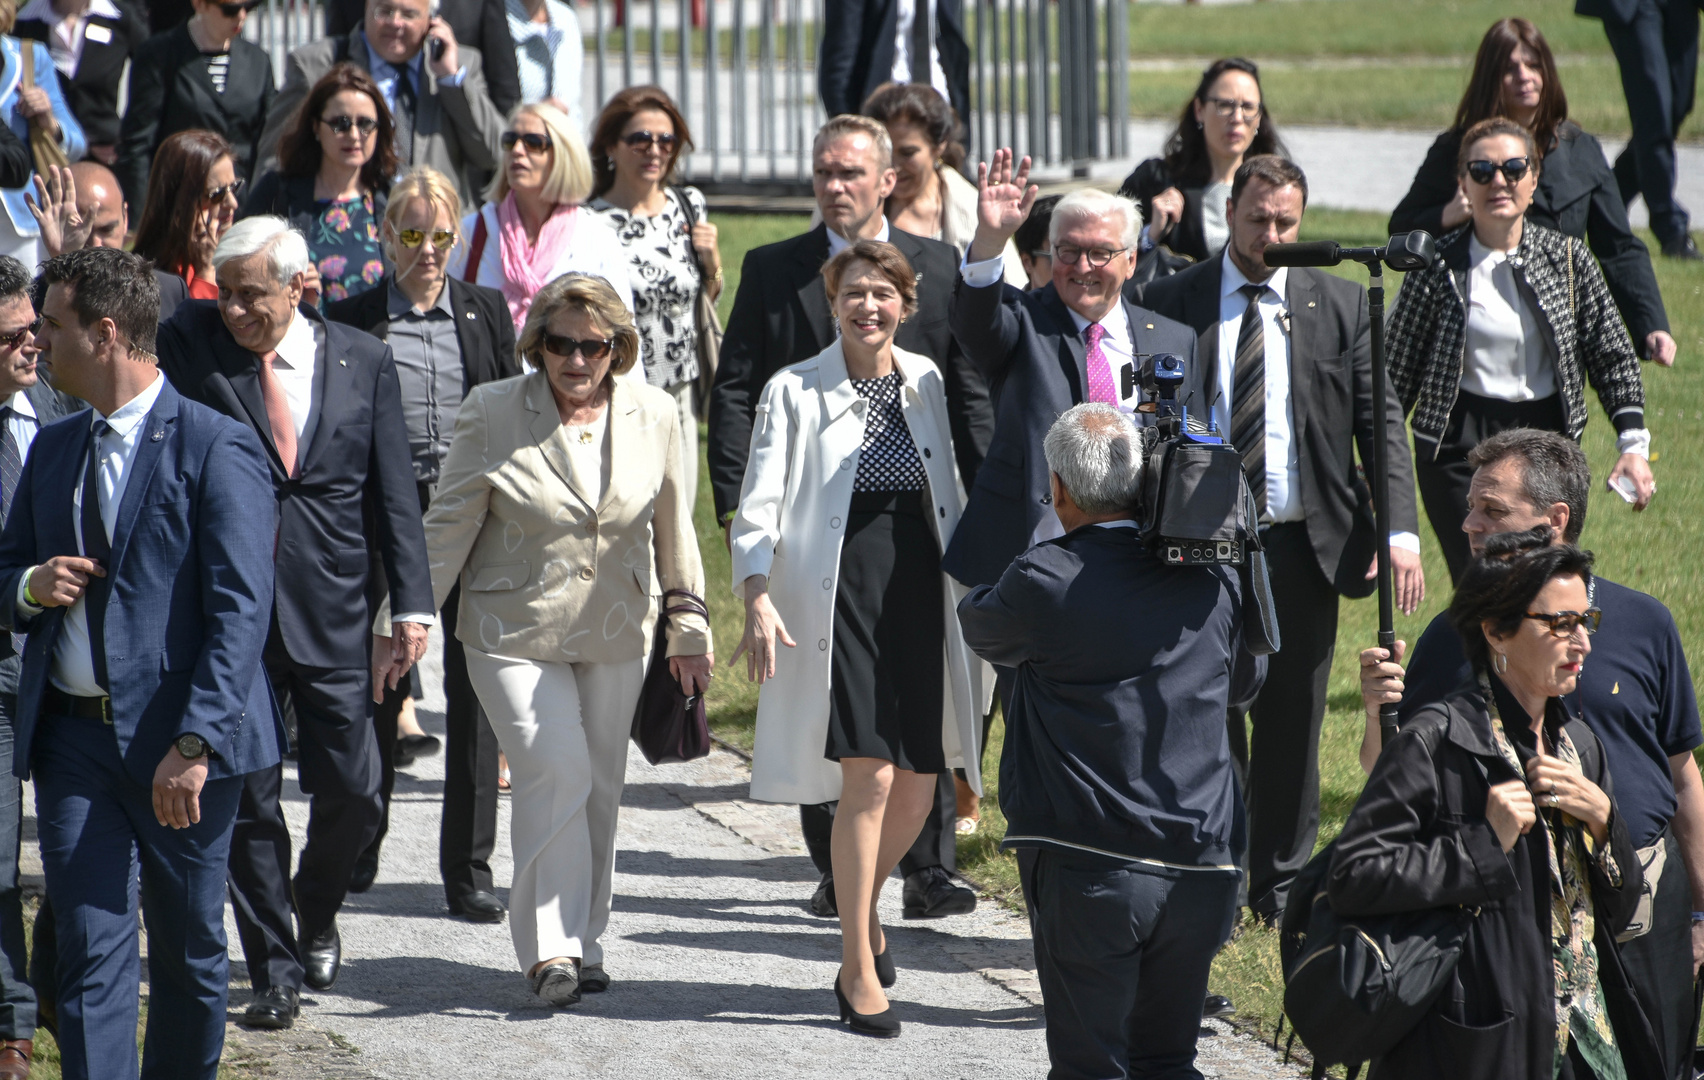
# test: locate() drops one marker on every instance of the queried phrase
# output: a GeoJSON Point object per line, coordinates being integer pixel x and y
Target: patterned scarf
{"type": "Point", "coordinates": [526, 267]}
{"type": "Point", "coordinates": [1580, 1009]}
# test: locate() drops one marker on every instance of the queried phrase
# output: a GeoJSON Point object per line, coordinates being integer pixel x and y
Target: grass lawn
{"type": "Point", "coordinates": [1650, 551]}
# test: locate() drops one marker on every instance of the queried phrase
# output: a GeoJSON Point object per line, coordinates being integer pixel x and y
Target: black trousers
{"type": "Point", "coordinates": [467, 832]}
{"type": "Point", "coordinates": [338, 762]}
{"type": "Point", "coordinates": [1445, 477]}
{"type": "Point", "coordinates": [17, 1000]}
{"type": "Point", "coordinates": [936, 845]}
{"type": "Point", "coordinates": [1658, 55]}
{"type": "Point", "coordinates": [1279, 768]}
{"type": "Point", "coordinates": [1122, 953]}
{"type": "Point", "coordinates": [1659, 965]}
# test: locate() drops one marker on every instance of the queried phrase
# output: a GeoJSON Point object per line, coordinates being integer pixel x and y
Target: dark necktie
{"type": "Point", "coordinates": [11, 462]}
{"type": "Point", "coordinates": [405, 110]}
{"type": "Point", "coordinates": [922, 43]}
{"type": "Point", "coordinates": [1248, 395]}
{"type": "Point", "coordinates": [96, 546]}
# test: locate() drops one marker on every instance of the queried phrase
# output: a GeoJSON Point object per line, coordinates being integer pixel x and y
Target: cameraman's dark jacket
{"type": "Point", "coordinates": [1115, 739]}
{"type": "Point", "coordinates": [1418, 838]}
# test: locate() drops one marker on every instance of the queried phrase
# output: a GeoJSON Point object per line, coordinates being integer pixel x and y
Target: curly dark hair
{"type": "Point", "coordinates": [1501, 585]}
{"type": "Point", "coordinates": [177, 185]}
{"type": "Point", "coordinates": [299, 150]}
{"type": "Point", "coordinates": [1185, 153]}
{"type": "Point", "coordinates": [923, 105]}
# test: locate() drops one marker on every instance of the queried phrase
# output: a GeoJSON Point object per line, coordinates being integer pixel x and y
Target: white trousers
{"type": "Point", "coordinates": [564, 728]}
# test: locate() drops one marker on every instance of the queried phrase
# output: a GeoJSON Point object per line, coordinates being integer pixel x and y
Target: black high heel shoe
{"type": "Point", "coordinates": [885, 973]}
{"type": "Point", "coordinates": [882, 1025]}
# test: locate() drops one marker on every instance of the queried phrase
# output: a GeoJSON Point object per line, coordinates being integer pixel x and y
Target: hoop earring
{"type": "Point", "coordinates": [1501, 664]}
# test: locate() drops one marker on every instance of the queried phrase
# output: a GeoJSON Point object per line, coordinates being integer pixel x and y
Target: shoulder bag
{"type": "Point", "coordinates": [704, 319]}
{"type": "Point", "coordinates": [669, 725]}
{"type": "Point", "coordinates": [44, 148]}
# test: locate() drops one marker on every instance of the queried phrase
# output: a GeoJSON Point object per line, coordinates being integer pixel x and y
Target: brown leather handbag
{"type": "Point", "coordinates": [44, 147]}
{"type": "Point", "coordinates": [668, 724]}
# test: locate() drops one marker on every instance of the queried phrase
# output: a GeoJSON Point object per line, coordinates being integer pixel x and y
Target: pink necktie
{"type": "Point", "coordinates": [278, 413]}
{"type": "Point", "coordinates": [1100, 369]}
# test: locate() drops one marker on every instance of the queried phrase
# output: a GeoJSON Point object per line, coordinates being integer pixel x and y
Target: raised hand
{"type": "Point", "coordinates": [62, 227]}
{"type": "Point", "coordinates": [1004, 197]}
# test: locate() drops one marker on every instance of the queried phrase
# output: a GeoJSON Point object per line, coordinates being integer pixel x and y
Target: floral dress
{"type": "Point", "coordinates": [345, 248]}
{"type": "Point", "coordinates": [665, 279]}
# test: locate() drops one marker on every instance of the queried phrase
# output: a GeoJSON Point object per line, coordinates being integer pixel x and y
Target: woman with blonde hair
{"type": "Point", "coordinates": [534, 227]}
{"type": "Point", "coordinates": [561, 512]}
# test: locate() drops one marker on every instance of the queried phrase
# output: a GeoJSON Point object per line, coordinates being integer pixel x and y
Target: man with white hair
{"type": "Point", "coordinates": [1116, 780]}
{"type": "Point", "coordinates": [1073, 341]}
{"type": "Point", "coordinates": [323, 398]}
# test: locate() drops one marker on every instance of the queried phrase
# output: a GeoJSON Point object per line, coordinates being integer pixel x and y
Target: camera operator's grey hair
{"type": "Point", "coordinates": [1095, 203]}
{"type": "Point", "coordinates": [1097, 454]}
{"type": "Point", "coordinates": [15, 280]}
{"type": "Point", "coordinates": [286, 249]}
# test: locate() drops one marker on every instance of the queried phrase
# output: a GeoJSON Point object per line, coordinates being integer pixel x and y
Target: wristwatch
{"type": "Point", "coordinates": [192, 746]}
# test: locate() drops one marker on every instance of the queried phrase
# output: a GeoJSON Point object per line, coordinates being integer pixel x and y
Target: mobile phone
{"type": "Point", "coordinates": [1623, 486]}
{"type": "Point", "coordinates": [437, 47]}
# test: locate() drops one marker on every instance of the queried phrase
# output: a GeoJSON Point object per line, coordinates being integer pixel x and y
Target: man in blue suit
{"type": "Point", "coordinates": [138, 558]}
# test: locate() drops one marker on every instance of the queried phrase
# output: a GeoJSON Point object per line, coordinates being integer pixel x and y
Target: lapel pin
{"type": "Point", "coordinates": [1310, 303]}
{"type": "Point", "coordinates": [343, 363]}
{"type": "Point", "coordinates": [157, 436]}
{"type": "Point", "coordinates": [471, 315]}
{"type": "Point", "coordinates": [1150, 326]}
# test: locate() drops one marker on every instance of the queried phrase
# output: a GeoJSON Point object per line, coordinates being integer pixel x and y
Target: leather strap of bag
{"type": "Point", "coordinates": [27, 52]}
{"type": "Point", "coordinates": [475, 249]}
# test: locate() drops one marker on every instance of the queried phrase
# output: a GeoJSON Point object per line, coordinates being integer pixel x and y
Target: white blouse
{"type": "Point", "coordinates": [1504, 356]}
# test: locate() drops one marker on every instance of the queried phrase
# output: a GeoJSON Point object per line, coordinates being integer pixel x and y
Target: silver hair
{"type": "Point", "coordinates": [1097, 454]}
{"type": "Point", "coordinates": [1095, 203]}
{"type": "Point", "coordinates": [286, 249]}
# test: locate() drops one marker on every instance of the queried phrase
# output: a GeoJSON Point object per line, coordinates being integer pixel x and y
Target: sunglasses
{"type": "Point", "coordinates": [644, 140]}
{"type": "Point", "coordinates": [1481, 172]}
{"type": "Point", "coordinates": [342, 125]}
{"type": "Point", "coordinates": [234, 189]}
{"type": "Point", "coordinates": [231, 11]}
{"type": "Point", "coordinates": [1098, 257]}
{"type": "Point", "coordinates": [532, 140]}
{"type": "Point", "coordinates": [593, 349]}
{"type": "Point", "coordinates": [413, 238]}
{"type": "Point", "coordinates": [16, 337]}
{"type": "Point", "coordinates": [1563, 623]}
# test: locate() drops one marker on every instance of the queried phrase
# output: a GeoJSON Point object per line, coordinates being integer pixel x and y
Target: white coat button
{"type": "Point", "coordinates": [828, 583]}
{"type": "Point", "coordinates": [822, 644]}
{"type": "Point", "coordinates": [834, 523]}
{"type": "Point", "coordinates": [585, 573]}
{"type": "Point", "coordinates": [847, 464]}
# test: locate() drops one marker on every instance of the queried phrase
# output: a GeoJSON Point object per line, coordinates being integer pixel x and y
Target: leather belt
{"type": "Point", "coordinates": [83, 708]}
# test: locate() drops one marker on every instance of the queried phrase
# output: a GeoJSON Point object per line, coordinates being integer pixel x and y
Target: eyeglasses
{"type": "Point", "coordinates": [1481, 172]}
{"type": "Point", "coordinates": [593, 349]}
{"type": "Point", "coordinates": [532, 140]}
{"type": "Point", "coordinates": [1098, 257]}
{"type": "Point", "coordinates": [413, 238]}
{"type": "Point", "coordinates": [392, 13]}
{"type": "Point", "coordinates": [1229, 107]}
{"type": "Point", "coordinates": [231, 11]}
{"type": "Point", "coordinates": [644, 140]}
{"type": "Point", "coordinates": [16, 337]}
{"type": "Point", "coordinates": [1562, 623]}
{"type": "Point", "coordinates": [366, 125]}
{"type": "Point", "coordinates": [234, 189]}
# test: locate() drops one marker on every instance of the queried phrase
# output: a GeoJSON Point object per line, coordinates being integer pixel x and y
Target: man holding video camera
{"type": "Point", "coordinates": [1288, 360]}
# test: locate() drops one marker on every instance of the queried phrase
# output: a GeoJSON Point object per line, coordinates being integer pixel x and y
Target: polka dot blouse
{"type": "Point", "coordinates": [888, 461]}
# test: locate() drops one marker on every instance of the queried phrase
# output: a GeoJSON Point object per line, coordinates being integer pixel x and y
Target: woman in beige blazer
{"type": "Point", "coordinates": [562, 511]}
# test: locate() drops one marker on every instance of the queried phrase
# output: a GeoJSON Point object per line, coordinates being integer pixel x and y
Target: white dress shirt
{"type": "Point", "coordinates": [1504, 355]}
{"type": "Point", "coordinates": [903, 63]}
{"type": "Point", "coordinates": [838, 243]}
{"type": "Point", "coordinates": [73, 669]}
{"type": "Point", "coordinates": [23, 423]}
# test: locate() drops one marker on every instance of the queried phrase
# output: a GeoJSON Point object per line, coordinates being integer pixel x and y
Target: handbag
{"type": "Point", "coordinates": [705, 321]}
{"type": "Point", "coordinates": [668, 724]}
{"type": "Point", "coordinates": [44, 148]}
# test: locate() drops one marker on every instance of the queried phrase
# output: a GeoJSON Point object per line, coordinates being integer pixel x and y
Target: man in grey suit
{"type": "Point", "coordinates": [443, 112]}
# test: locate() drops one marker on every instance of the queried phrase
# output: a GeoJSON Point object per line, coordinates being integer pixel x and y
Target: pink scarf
{"type": "Point", "coordinates": [526, 268]}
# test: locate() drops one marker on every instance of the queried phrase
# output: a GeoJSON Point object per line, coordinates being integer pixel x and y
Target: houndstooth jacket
{"type": "Point", "coordinates": [1582, 330]}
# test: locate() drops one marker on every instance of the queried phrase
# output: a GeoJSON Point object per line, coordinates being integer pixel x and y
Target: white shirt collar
{"type": "Point", "coordinates": [297, 347]}
{"type": "Point", "coordinates": [125, 418]}
{"type": "Point", "coordinates": [838, 243]}
{"type": "Point", "coordinates": [1116, 322]}
{"type": "Point", "coordinates": [43, 10]}
{"type": "Point", "coordinates": [20, 404]}
{"type": "Point", "coordinates": [1233, 278]}
{"type": "Point", "coordinates": [1478, 253]}
{"type": "Point", "coordinates": [1121, 523]}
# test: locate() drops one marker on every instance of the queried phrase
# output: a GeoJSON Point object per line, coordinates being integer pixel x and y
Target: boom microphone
{"type": "Point", "coordinates": [1312, 253]}
{"type": "Point", "coordinates": [1405, 251]}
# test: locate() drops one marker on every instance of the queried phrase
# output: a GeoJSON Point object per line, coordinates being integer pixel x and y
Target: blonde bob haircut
{"type": "Point", "coordinates": [569, 181]}
{"type": "Point", "coordinates": [888, 261]}
{"type": "Point", "coordinates": [592, 296]}
{"type": "Point", "coordinates": [427, 183]}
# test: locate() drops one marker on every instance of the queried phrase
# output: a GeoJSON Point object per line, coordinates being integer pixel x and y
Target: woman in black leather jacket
{"type": "Point", "coordinates": [1498, 800]}
{"type": "Point", "coordinates": [1515, 75]}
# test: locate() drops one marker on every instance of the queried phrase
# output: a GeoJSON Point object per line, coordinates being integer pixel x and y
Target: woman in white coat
{"type": "Point", "coordinates": [850, 497]}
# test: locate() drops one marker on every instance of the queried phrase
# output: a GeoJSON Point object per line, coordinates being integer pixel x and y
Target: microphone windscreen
{"type": "Point", "coordinates": [1312, 253]}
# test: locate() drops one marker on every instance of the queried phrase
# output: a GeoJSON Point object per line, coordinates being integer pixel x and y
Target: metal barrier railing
{"type": "Point", "coordinates": [278, 26]}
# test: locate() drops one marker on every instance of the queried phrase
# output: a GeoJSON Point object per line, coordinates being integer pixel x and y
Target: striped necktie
{"type": "Point", "coordinates": [1248, 395]}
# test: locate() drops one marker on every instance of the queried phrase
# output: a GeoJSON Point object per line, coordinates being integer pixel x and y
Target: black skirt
{"type": "Point", "coordinates": [889, 630]}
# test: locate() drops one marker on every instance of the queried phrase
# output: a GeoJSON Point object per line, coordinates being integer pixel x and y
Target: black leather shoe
{"type": "Point", "coordinates": [409, 747]}
{"type": "Point", "coordinates": [823, 904]}
{"type": "Point", "coordinates": [882, 1025]}
{"type": "Point", "coordinates": [478, 907]}
{"type": "Point", "coordinates": [885, 973]}
{"type": "Point", "coordinates": [931, 894]}
{"type": "Point", "coordinates": [1682, 248]}
{"type": "Point", "coordinates": [593, 979]}
{"type": "Point", "coordinates": [366, 871]}
{"type": "Point", "coordinates": [274, 1009]}
{"type": "Point", "coordinates": [1217, 1006]}
{"type": "Point", "coordinates": [321, 958]}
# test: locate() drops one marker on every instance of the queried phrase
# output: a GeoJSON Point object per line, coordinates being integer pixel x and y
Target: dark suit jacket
{"type": "Point", "coordinates": [359, 451]}
{"type": "Point", "coordinates": [170, 91]}
{"type": "Point", "coordinates": [781, 316]}
{"type": "Point", "coordinates": [16, 165]}
{"type": "Point", "coordinates": [50, 405]}
{"type": "Point", "coordinates": [174, 290]}
{"type": "Point", "coordinates": [484, 24]}
{"type": "Point", "coordinates": [1331, 396]}
{"type": "Point", "coordinates": [483, 327]}
{"type": "Point", "coordinates": [190, 576]}
{"type": "Point", "coordinates": [857, 53]}
{"type": "Point", "coordinates": [1028, 349]}
{"type": "Point", "coordinates": [92, 92]}
{"type": "Point", "coordinates": [292, 198]}
{"type": "Point", "coordinates": [1149, 179]}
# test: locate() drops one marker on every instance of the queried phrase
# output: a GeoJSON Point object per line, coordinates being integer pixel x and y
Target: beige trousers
{"type": "Point", "coordinates": [564, 728]}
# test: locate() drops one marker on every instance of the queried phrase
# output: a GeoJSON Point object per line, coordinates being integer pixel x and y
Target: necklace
{"type": "Point", "coordinates": [584, 435]}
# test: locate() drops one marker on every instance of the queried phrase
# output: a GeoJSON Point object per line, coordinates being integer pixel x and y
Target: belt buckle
{"type": "Point", "coordinates": [106, 710]}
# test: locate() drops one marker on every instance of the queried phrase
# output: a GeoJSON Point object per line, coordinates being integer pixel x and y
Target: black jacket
{"type": "Point", "coordinates": [781, 316]}
{"type": "Point", "coordinates": [16, 165]}
{"type": "Point", "coordinates": [1027, 348]}
{"type": "Point", "coordinates": [49, 405]}
{"type": "Point", "coordinates": [359, 451]}
{"type": "Point", "coordinates": [92, 93]}
{"type": "Point", "coordinates": [1186, 237]}
{"type": "Point", "coordinates": [1577, 195]}
{"type": "Point", "coordinates": [292, 198]}
{"type": "Point", "coordinates": [170, 91]}
{"type": "Point", "coordinates": [1331, 398]}
{"type": "Point", "coordinates": [1116, 741]}
{"type": "Point", "coordinates": [1418, 838]}
{"type": "Point", "coordinates": [483, 24]}
{"type": "Point", "coordinates": [858, 38]}
{"type": "Point", "coordinates": [484, 327]}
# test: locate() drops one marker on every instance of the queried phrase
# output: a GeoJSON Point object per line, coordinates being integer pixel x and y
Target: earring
{"type": "Point", "coordinates": [1501, 663]}
{"type": "Point", "coordinates": [1199, 126]}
